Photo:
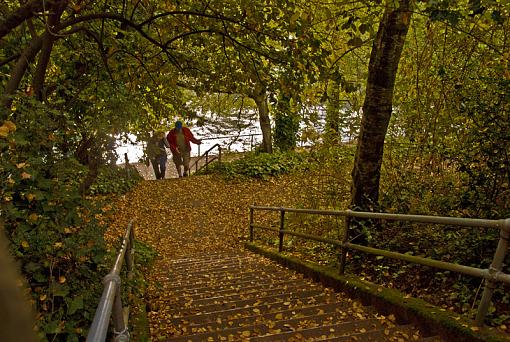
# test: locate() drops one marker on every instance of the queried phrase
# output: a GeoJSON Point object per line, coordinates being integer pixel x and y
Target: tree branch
{"type": "Point", "coordinates": [23, 13]}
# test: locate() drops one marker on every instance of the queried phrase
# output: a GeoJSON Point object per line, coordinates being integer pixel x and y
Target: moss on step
{"type": "Point", "coordinates": [430, 319]}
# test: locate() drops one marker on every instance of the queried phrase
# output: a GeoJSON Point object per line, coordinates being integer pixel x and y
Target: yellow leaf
{"type": "Point", "coordinates": [33, 217]}
{"type": "Point", "coordinates": [475, 328]}
{"type": "Point", "coordinates": [42, 297]}
{"type": "Point", "coordinates": [25, 244]}
{"type": "Point", "coordinates": [10, 125]}
{"type": "Point", "coordinates": [21, 165]}
{"type": "Point", "coordinates": [58, 245]}
{"type": "Point", "coordinates": [30, 197]}
{"type": "Point", "coordinates": [25, 175]}
{"type": "Point", "coordinates": [62, 279]}
{"type": "Point", "coordinates": [246, 333]}
{"type": "Point", "coordinates": [278, 316]}
{"type": "Point", "coordinates": [391, 317]}
{"type": "Point", "coordinates": [4, 132]}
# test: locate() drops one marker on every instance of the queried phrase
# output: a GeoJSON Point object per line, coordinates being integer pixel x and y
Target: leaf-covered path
{"type": "Point", "coordinates": [194, 216]}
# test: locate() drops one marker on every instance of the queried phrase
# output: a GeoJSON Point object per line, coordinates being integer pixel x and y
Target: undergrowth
{"type": "Point", "coordinates": [56, 233]}
{"type": "Point", "coordinates": [405, 189]}
{"type": "Point", "coordinates": [258, 165]}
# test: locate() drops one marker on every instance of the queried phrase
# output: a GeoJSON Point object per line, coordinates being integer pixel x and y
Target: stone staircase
{"type": "Point", "coordinates": [241, 297]}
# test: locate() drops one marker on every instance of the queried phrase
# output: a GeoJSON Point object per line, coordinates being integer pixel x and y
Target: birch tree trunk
{"type": "Point", "coordinates": [377, 107]}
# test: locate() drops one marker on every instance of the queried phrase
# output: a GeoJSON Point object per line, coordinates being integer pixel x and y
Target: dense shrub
{"type": "Point", "coordinates": [259, 165]}
{"type": "Point", "coordinates": [113, 179]}
{"type": "Point", "coordinates": [55, 232]}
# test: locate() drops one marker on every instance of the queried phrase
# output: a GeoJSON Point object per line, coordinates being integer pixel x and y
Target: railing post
{"type": "Point", "coordinates": [119, 326]}
{"type": "Point", "coordinates": [496, 265]}
{"type": "Point", "coordinates": [343, 251]}
{"type": "Point", "coordinates": [128, 256]}
{"type": "Point", "coordinates": [251, 224]}
{"type": "Point", "coordinates": [282, 226]}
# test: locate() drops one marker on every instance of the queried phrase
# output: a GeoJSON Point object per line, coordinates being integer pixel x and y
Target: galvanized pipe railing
{"type": "Point", "coordinates": [110, 304]}
{"type": "Point", "coordinates": [492, 275]}
{"type": "Point", "coordinates": [206, 156]}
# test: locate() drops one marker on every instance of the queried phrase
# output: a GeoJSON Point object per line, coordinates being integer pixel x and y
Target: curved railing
{"type": "Point", "coordinates": [209, 158]}
{"type": "Point", "coordinates": [110, 304]}
{"type": "Point", "coordinates": [492, 275]}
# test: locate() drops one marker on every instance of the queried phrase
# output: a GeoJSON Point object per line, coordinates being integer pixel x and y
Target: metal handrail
{"type": "Point", "coordinates": [206, 156]}
{"type": "Point", "coordinates": [111, 297]}
{"type": "Point", "coordinates": [492, 275]}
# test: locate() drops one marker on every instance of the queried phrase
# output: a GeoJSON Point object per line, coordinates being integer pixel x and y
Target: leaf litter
{"type": "Point", "coordinates": [192, 216]}
{"type": "Point", "coordinates": [201, 215]}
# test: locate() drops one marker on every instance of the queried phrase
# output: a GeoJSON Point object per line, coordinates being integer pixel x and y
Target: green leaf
{"type": "Point", "coordinates": [75, 305]}
{"type": "Point", "coordinates": [60, 290]}
{"type": "Point", "coordinates": [355, 41]}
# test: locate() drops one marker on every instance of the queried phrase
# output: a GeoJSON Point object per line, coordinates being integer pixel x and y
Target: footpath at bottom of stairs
{"type": "Point", "coordinates": [243, 296]}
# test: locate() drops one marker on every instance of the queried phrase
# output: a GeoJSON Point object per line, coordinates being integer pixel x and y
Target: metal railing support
{"type": "Point", "coordinates": [110, 304]}
{"type": "Point", "coordinates": [120, 329]}
{"type": "Point", "coordinates": [251, 224]}
{"type": "Point", "coordinates": [343, 251]}
{"type": "Point", "coordinates": [495, 268]}
{"type": "Point", "coordinates": [206, 156]}
{"type": "Point", "coordinates": [492, 275]}
{"type": "Point", "coordinates": [282, 227]}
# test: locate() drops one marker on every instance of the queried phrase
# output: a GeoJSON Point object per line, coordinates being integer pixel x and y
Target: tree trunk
{"type": "Point", "coordinates": [88, 153]}
{"type": "Point", "coordinates": [332, 135]}
{"type": "Point", "coordinates": [19, 70]}
{"type": "Point", "coordinates": [377, 107]}
{"type": "Point", "coordinates": [259, 96]}
{"type": "Point", "coordinates": [47, 47]}
{"type": "Point", "coordinates": [17, 321]}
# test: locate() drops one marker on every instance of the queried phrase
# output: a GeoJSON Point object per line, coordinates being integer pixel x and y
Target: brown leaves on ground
{"type": "Point", "coordinates": [181, 217]}
{"type": "Point", "coordinates": [195, 215]}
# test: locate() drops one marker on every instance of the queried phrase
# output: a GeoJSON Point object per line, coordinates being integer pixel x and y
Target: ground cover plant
{"type": "Point", "coordinates": [56, 232]}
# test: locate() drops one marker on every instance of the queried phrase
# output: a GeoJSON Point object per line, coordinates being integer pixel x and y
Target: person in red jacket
{"type": "Point", "coordinates": [179, 139]}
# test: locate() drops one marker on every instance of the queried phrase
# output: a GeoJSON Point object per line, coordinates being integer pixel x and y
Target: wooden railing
{"type": "Point", "coordinates": [492, 275]}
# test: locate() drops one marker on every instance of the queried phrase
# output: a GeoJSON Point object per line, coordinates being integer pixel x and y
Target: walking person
{"type": "Point", "coordinates": [179, 139]}
{"type": "Point", "coordinates": [156, 152]}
